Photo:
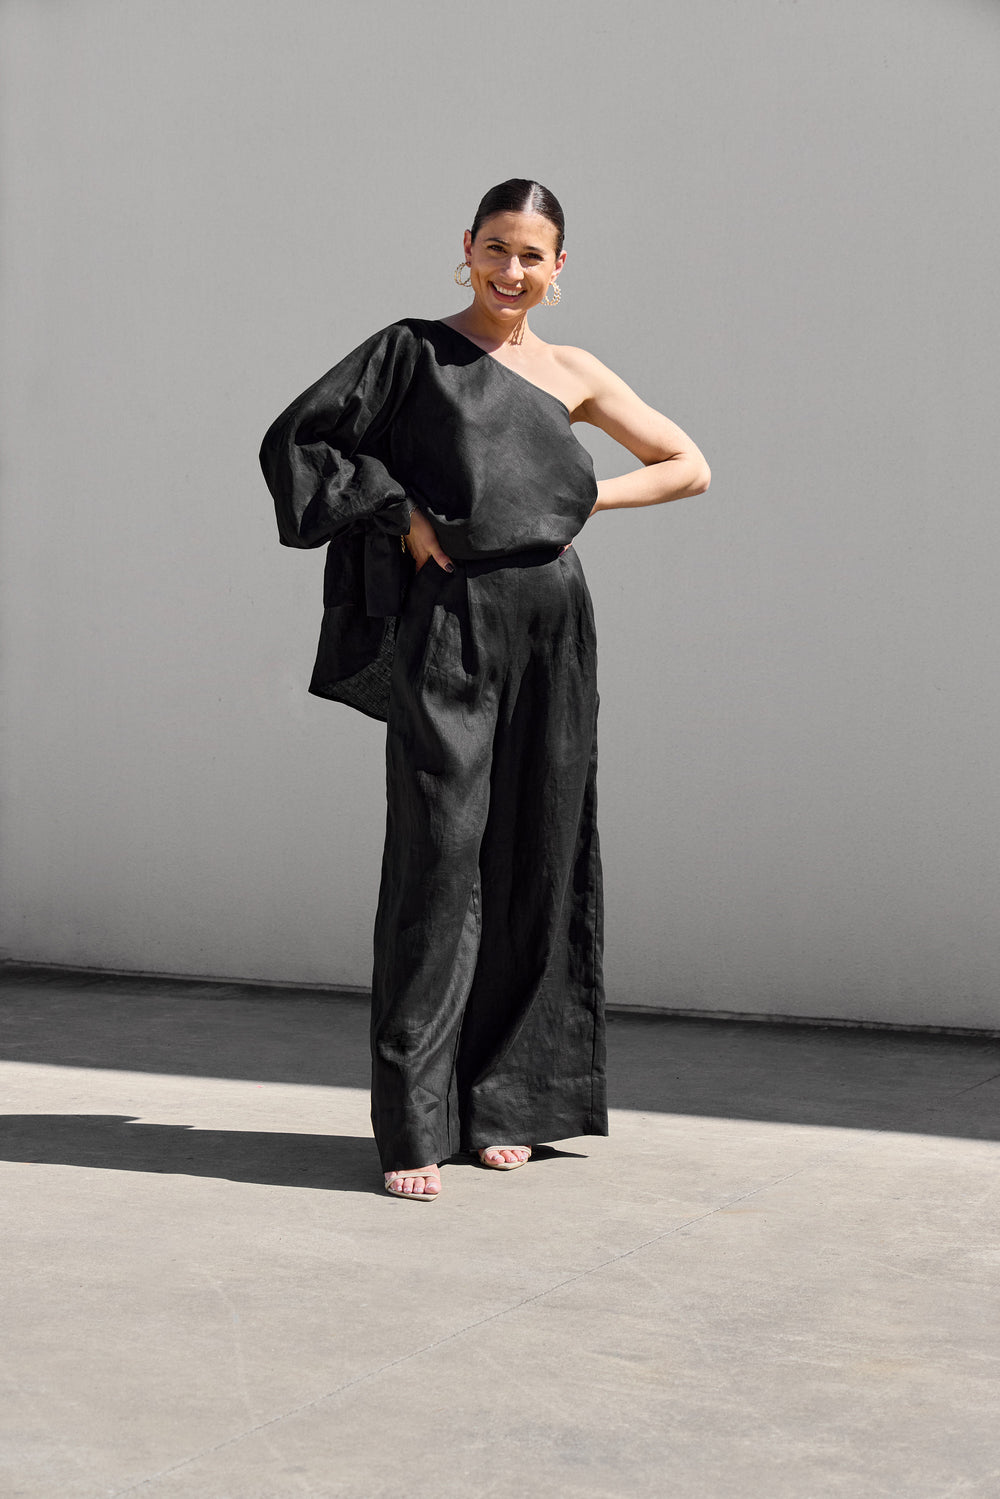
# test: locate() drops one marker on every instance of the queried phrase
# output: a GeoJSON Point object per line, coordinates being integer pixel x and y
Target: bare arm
{"type": "Point", "coordinates": [673, 466]}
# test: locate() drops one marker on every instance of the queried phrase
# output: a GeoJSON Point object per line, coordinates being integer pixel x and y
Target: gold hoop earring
{"type": "Point", "coordinates": [556, 296]}
{"type": "Point", "coordinates": [458, 274]}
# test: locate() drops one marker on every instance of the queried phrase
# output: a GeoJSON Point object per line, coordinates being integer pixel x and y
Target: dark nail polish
{"type": "Point", "coordinates": [449, 567]}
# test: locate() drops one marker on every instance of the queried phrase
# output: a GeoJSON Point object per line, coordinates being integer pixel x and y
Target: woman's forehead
{"type": "Point", "coordinates": [524, 230]}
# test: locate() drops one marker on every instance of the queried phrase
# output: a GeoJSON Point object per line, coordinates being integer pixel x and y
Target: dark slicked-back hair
{"type": "Point", "coordinates": [519, 195]}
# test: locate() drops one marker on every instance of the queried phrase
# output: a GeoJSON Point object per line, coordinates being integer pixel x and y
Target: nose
{"type": "Point", "coordinates": [513, 269]}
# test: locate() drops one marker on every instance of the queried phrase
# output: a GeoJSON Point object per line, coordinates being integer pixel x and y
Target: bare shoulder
{"type": "Point", "coordinates": [582, 366]}
{"type": "Point", "coordinates": [584, 383]}
{"type": "Point", "coordinates": [604, 400]}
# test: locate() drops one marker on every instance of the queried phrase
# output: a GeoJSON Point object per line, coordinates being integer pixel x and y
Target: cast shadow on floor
{"type": "Point", "coordinates": [121, 1142]}
{"type": "Point", "coordinates": [790, 1074]}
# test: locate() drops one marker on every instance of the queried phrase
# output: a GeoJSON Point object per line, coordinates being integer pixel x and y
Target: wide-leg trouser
{"type": "Point", "coordinates": [487, 1012]}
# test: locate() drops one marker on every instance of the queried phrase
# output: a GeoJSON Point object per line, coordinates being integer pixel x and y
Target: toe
{"type": "Point", "coordinates": [504, 1155]}
{"type": "Point", "coordinates": [413, 1183]}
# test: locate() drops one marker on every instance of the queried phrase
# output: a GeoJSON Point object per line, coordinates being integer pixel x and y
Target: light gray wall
{"type": "Point", "coordinates": [782, 230]}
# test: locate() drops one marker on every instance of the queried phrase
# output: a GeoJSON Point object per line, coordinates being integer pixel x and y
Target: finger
{"type": "Point", "coordinates": [442, 559]}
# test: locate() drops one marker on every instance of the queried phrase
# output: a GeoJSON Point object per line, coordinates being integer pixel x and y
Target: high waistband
{"type": "Point", "coordinates": [529, 557]}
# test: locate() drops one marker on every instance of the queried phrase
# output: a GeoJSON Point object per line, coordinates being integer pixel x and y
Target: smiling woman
{"type": "Point", "coordinates": [509, 267]}
{"type": "Point", "coordinates": [475, 641]}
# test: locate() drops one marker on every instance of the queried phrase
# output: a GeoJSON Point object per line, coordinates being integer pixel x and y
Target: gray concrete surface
{"type": "Point", "coordinates": [777, 1279]}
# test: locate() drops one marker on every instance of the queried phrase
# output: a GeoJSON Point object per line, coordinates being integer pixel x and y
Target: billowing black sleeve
{"type": "Point", "coordinates": [320, 458]}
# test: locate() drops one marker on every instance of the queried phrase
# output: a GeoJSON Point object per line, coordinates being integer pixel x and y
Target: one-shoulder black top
{"type": "Point", "coordinates": [416, 415]}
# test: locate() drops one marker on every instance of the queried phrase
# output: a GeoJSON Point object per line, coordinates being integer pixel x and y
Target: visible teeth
{"type": "Point", "coordinates": [504, 292]}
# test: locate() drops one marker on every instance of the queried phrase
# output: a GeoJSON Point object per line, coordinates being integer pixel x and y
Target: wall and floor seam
{"type": "Point", "coordinates": [12, 969]}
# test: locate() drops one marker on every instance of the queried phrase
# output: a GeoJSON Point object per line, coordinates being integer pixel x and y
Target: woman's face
{"type": "Point", "coordinates": [512, 261]}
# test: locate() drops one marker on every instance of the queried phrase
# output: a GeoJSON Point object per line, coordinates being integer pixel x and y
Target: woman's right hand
{"type": "Point", "coordinates": [421, 542]}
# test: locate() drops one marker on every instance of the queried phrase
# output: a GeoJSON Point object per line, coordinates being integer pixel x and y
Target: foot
{"type": "Point", "coordinates": [504, 1157]}
{"type": "Point", "coordinates": [422, 1182]}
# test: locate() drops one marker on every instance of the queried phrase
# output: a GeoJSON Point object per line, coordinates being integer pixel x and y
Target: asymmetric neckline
{"type": "Point", "coordinates": [517, 376]}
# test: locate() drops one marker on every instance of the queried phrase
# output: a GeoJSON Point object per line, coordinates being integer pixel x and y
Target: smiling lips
{"type": "Point", "coordinates": [508, 296]}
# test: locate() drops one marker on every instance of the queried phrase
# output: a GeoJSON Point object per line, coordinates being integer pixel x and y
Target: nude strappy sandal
{"type": "Point", "coordinates": [394, 1176]}
{"type": "Point", "coordinates": [504, 1165]}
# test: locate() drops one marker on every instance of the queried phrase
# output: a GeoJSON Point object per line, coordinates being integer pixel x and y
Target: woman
{"type": "Point", "coordinates": [473, 637]}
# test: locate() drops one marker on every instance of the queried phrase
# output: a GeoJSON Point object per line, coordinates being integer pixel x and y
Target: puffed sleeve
{"type": "Point", "coordinates": [320, 458]}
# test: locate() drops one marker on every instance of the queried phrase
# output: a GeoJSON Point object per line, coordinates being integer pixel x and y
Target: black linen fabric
{"type": "Point", "coordinates": [417, 414]}
{"type": "Point", "coordinates": [487, 1013]}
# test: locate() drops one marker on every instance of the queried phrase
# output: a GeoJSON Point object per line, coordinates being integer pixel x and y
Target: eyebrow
{"type": "Point", "coordinates": [496, 239]}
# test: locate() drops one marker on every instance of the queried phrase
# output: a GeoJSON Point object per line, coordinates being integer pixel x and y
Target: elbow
{"type": "Point", "coordinates": [702, 478]}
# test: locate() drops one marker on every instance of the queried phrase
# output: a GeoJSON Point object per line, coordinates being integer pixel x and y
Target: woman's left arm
{"type": "Point", "coordinates": [673, 466]}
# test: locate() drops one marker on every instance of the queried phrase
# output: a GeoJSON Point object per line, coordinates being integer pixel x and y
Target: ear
{"type": "Point", "coordinates": [560, 262]}
{"type": "Point", "coordinates": [467, 242]}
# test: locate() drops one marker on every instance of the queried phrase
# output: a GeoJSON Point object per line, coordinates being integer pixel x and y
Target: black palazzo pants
{"type": "Point", "coordinates": [487, 1024]}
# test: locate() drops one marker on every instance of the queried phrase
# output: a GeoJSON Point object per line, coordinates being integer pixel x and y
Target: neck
{"type": "Point", "coordinates": [494, 332]}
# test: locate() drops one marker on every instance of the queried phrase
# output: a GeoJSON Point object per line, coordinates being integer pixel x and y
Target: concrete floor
{"type": "Point", "coordinates": [778, 1279]}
